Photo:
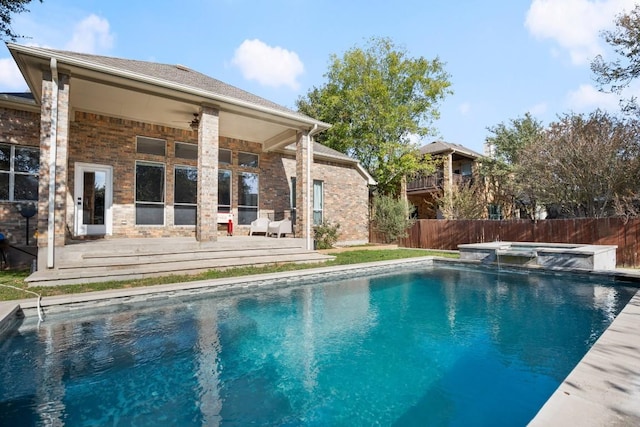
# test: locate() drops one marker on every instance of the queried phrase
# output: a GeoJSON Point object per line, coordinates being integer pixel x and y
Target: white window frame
{"type": "Point", "coordinates": [164, 196]}
{"type": "Point", "coordinates": [230, 205]}
{"type": "Point", "coordinates": [230, 156]}
{"type": "Point", "coordinates": [12, 172]}
{"type": "Point", "coordinates": [186, 144]}
{"type": "Point", "coordinates": [257, 156]}
{"type": "Point", "coordinates": [257, 205]}
{"type": "Point", "coordinates": [319, 208]}
{"type": "Point", "coordinates": [195, 204]}
{"type": "Point", "coordinates": [164, 142]}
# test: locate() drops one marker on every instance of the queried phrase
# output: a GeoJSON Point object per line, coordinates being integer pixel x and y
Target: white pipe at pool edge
{"type": "Point", "coordinates": [52, 163]}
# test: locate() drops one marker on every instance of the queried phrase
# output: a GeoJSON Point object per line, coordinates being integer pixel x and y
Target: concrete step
{"type": "Point", "coordinates": [68, 276]}
{"type": "Point", "coordinates": [116, 260]}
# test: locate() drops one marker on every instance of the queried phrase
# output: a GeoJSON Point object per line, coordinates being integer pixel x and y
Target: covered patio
{"type": "Point", "coordinates": [112, 133]}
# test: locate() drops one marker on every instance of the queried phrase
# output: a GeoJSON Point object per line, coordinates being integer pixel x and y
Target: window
{"type": "Point", "coordinates": [186, 151]}
{"type": "Point", "coordinates": [149, 193]}
{"type": "Point", "coordinates": [19, 169]}
{"type": "Point", "coordinates": [495, 211]}
{"type": "Point", "coordinates": [293, 200]}
{"type": "Point", "coordinates": [224, 156]}
{"type": "Point", "coordinates": [185, 195]}
{"type": "Point", "coordinates": [247, 197]}
{"type": "Point", "coordinates": [318, 201]}
{"type": "Point", "coordinates": [248, 160]}
{"type": "Point", "coordinates": [146, 145]}
{"type": "Point", "coordinates": [224, 191]}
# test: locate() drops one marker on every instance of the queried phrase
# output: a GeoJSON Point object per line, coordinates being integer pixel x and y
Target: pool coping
{"type": "Point", "coordinates": [603, 389]}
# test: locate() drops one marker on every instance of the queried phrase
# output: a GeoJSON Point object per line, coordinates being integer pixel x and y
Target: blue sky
{"type": "Point", "coordinates": [504, 57]}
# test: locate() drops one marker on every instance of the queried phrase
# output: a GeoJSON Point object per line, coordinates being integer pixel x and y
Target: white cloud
{"type": "Point", "coordinates": [464, 108]}
{"type": "Point", "coordinates": [575, 25]}
{"type": "Point", "coordinates": [91, 35]}
{"type": "Point", "coordinates": [415, 139]}
{"type": "Point", "coordinates": [10, 77]}
{"type": "Point", "coordinates": [269, 66]}
{"type": "Point", "coordinates": [587, 98]}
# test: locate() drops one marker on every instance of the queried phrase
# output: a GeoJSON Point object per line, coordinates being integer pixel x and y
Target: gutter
{"type": "Point", "coordinates": [39, 53]}
{"type": "Point", "coordinates": [52, 164]}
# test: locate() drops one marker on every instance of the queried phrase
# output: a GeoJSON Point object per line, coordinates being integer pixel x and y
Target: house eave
{"type": "Point", "coordinates": [79, 66]}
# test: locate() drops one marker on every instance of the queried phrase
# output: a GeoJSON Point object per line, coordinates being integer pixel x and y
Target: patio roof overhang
{"type": "Point", "coordinates": [101, 89]}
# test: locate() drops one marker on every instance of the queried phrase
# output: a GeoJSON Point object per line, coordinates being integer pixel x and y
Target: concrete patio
{"type": "Point", "coordinates": [126, 259]}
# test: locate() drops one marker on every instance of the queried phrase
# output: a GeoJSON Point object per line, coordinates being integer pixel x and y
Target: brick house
{"type": "Point", "coordinates": [120, 148]}
{"type": "Point", "coordinates": [456, 165]}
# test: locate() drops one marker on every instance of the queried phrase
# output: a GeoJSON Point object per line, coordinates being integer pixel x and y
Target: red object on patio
{"type": "Point", "coordinates": [230, 227]}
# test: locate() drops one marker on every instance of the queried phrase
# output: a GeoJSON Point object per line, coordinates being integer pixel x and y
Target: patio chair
{"type": "Point", "coordinates": [279, 227]}
{"type": "Point", "coordinates": [260, 225]}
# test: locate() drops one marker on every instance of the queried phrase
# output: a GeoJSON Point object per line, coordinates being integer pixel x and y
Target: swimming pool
{"type": "Point", "coordinates": [439, 346]}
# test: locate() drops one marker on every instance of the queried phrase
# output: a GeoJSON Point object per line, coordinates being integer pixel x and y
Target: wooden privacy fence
{"type": "Point", "coordinates": [448, 234]}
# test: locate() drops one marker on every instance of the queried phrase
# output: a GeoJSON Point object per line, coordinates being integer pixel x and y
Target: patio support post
{"type": "Point", "coordinates": [53, 179]}
{"type": "Point", "coordinates": [304, 207]}
{"type": "Point", "coordinates": [208, 140]}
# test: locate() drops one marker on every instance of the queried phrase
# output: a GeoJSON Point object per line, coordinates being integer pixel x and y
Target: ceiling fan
{"type": "Point", "coordinates": [195, 122]}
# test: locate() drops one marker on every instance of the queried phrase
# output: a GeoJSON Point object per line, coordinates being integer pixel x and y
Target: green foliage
{"type": "Point", "coordinates": [618, 74]}
{"type": "Point", "coordinates": [504, 183]}
{"type": "Point", "coordinates": [8, 8]}
{"type": "Point", "coordinates": [377, 98]}
{"type": "Point", "coordinates": [584, 164]}
{"type": "Point", "coordinates": [326, 234]}
{"type": "Point", "coordinates": [391, 217]}
{"type": "Point", "coordinates": [463, 201]}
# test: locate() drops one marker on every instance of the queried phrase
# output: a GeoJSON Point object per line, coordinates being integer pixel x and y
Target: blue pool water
{"type": "Point", "coordinates": [445, 346]}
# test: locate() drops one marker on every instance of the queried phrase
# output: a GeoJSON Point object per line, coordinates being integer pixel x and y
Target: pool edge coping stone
{"type": "Point", "coordinates": [604, 387]}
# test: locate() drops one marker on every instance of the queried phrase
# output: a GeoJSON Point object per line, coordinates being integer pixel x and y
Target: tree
{"type": "Point", "coordinates": [584, 165]}
{"type": "Point", "coordinates": [392, 217]}
{"type": "Point", "coordinates": [463, 201]}
{"type": "Point", "coordinates": [8, 8]}
{"type": "Point", "coordinates": [505, 185]}
{"type": "Point", "coordinates": [377, 98]}
{"type": "Point", "coordinates": [616, 75]}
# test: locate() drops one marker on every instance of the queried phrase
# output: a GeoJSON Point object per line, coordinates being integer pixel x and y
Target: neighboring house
{"type": "Point", "coordinates": [456, 165]}
{"type": "Point", "coordinates": [123, 148]}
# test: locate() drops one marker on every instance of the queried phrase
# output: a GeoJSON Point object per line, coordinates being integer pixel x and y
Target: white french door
{"type": "Point", "coordinates": [93, 199]}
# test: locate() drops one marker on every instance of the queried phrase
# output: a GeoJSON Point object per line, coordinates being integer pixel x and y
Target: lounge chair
{"type": "Point", "coordinates": [260, 225]}
{"type": "Point", "coordinates": [279, 227]}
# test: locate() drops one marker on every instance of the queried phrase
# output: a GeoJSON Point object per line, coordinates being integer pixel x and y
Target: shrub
{"type": "Point", "coordinates": [392, 217]}
{"type": "Point", "coordinates": [326, 234]}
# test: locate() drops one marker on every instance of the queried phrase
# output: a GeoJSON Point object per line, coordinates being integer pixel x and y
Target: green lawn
{"type": "Point", "coordinates": [16, 278]}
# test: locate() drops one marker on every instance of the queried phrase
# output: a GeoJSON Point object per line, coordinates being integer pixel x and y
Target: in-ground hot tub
{"type": "Point", "coordinates": [548, 255]}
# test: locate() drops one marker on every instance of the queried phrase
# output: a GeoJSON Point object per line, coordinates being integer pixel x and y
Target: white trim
{"type": "Point", "coordinates": [73, 61]}
{"type": "Point", "coordinates": [251, 154]}
{"type": "Point", "coordinates": [79, 169]}
{"type": "Point", "coordinates": [53, 144]}
{"type": "Point", "coordinates": [257, 206]}
{"type": "Point", "coordinates": [164, 141]}
{"type": "Point", "coordinates": [164, 195]}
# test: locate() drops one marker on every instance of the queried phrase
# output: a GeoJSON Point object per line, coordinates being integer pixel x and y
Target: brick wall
{"type": "Point", "coordinates": [111, 141]}
{"type": "Point", "coordinates": [19, 128]}
{"type": "Point", "coordinates": [346, 197]}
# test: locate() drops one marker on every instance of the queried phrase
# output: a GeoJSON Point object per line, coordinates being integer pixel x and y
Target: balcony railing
{"type": "Point", "coordinates": [434, 182]}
